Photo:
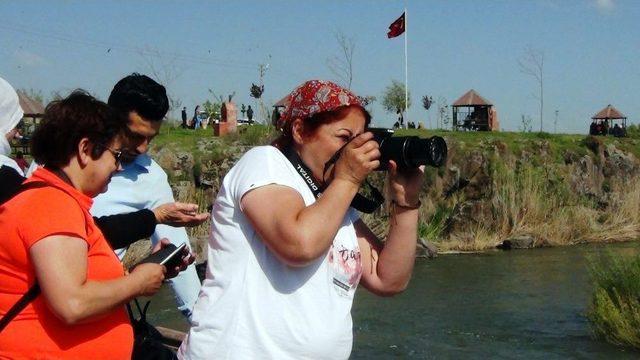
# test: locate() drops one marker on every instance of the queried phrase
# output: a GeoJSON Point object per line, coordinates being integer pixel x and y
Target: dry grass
{"type": "Point", "coordinates": [199, 235]}
{"type": "Point", "coordinates": [478, 238]}
{"type": "Point", "coordinates": [523, 203]}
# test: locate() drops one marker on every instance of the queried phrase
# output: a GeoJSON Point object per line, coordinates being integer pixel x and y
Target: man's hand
{"type": "Point", "coordinates": [179, 214]}
{"type": "Point", "coordinates": [187, 258]}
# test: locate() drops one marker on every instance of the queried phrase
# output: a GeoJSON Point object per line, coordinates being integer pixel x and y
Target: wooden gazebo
{"type": "Point", "coordinates": [609, 121]}
{"type": "Point", "coordinates": [33, 111]}
{"type": "Point", "coordinates": [473, 112]}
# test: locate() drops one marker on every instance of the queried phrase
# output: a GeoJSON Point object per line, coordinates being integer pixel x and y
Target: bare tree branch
{"type": "Point", "coordinates": [532, 63]}
{"type": "Point", "coordinates": [163, 69]}
{"type": "Point", "coordinates": [342, 66]}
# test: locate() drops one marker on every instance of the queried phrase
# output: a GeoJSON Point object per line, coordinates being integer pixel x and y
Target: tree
{"type": "Point", "coordinates": [342, 65]}
{"type": "Point", "coordinates": [393, 99]}
{"type": "Point", "coordinates": [165, 71]}
{"type": "Point", "coordinates": [426, 102]}
{"type": "Point", "coordinates": [532, 64]}
{"type": "Point", "coordinates": [257, 90]}
{"type": "Point", "coordinates": [36, 95]}
{"type": "Point", "coordinates": [212, 109]}
{"type": "Point", "coordinates": [56, 95]}
{"type": "Point", "coordinates": [366, 100]}
{"type": "Point", "coordinates": [443, 112]}
{"type": "Point", "coordinates": [525, 123]}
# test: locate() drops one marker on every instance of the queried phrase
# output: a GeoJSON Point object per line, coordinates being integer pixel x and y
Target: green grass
{"type": "Point", "coordinates": [517, 142]}
{"type": "Point", "coordinates": [204, 146]}
{"type": "Point", "coordinates": [614, 312]}
{"type": "Point", "coordinates": [556, 145]}
{"type": "Point", "coordinates": [433, 228]}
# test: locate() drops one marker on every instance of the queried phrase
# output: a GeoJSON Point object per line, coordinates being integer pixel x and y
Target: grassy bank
{"type": "Point", "coordinates": [528, 202]}
{"type": "Point", "coordinates": [558, 189]}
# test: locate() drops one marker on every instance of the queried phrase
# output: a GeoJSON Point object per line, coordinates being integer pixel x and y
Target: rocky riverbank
{"type": "Point", "coordinates": [508, 190]}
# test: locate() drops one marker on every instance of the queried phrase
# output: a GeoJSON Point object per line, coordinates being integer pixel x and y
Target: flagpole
{"type": "Point", "coordinates": [406, 68]}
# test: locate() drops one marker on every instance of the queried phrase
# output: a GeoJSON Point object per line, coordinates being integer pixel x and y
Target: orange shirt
{"type": "Point", "coordinates": [58, 209]}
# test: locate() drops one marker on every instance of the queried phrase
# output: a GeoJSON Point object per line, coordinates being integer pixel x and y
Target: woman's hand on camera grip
{"type": "Point", "coordinates": [359, 158]}
{"type": "Point", "coordinates": [405, 184]}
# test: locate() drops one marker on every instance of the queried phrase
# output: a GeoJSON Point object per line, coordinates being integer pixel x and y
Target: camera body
{"type": "Point", "coordinates": [409, 151]}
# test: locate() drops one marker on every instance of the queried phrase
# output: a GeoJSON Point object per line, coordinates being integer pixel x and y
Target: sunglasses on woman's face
{"type": "Point", "coordinates": [117, 154]}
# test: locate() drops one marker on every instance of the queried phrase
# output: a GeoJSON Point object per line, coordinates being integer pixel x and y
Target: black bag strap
{"type": "Point", "coordinates": [28, 297]}
{"type": "Point", "coordinates": [33, 292]}
{"type": "Point", "coordinates": [141, 310]}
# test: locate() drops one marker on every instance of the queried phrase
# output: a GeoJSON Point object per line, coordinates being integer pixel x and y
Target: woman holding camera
{"type": "Point", "coordinates": [50, 239]}
{"type": "Point", "coordinates": [284, 263]}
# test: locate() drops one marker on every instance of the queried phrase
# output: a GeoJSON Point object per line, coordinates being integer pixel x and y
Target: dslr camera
{"type": "Point", "coordinates": [409, 151]}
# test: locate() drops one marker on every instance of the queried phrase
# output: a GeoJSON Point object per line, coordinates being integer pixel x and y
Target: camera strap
{"type": "Point", "coordinates": [359, 202]}
{"type": "Point", "coordinates": [303, 170]}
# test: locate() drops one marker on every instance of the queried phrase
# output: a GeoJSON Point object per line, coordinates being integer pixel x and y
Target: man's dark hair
{"type": "Point", "coordinates": [67, 121]}
{"type": "Point", "coordinates": [141, 94]}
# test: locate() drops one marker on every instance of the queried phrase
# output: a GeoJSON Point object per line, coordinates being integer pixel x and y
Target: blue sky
{"type": "Point", "coordinates": [591, 48]}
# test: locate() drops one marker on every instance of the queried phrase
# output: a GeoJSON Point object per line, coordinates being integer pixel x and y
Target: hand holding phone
{"type": "Point", "coordinates": [170, 256]}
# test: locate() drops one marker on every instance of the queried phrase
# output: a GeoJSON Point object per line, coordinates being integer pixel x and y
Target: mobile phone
{"type": "Point", "coordinates": [168, 256]}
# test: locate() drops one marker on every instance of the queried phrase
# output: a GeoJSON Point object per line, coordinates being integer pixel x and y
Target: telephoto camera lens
{"type": "Point", "coordinates": [409, 151]}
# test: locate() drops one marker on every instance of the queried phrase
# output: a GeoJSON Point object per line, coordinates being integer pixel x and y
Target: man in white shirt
{"type": "Point", "coordinates": [143, 184]}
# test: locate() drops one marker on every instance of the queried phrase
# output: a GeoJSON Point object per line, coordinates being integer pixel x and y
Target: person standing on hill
{"type": "Point", "coordinates": [142, 184]}
{"type": "Point", "coordinates": [250, 114]}
{"type": "Point", "coordinates": [184, 117]}
{"type": "Point", "coordinates": [195, 123]}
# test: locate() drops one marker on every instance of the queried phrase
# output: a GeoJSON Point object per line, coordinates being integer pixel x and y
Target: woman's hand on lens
{"type": "Point", "coordinates": [405, 184]}
{"type": "Point", "coordinates": [359, 158]}
{"type": "Point", "coordinates": [150, 278]}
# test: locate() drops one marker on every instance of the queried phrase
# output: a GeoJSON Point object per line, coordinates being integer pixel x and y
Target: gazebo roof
{"type": "Point", "coordinates": [609, 112]}
{"type": "Point", "coordinates": [471, 98]}
{"type": "Point", "coordinates": [29, 106]}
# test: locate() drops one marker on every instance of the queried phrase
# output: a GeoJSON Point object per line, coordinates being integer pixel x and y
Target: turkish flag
{"type": "Point", "coordinates": [396, 28]}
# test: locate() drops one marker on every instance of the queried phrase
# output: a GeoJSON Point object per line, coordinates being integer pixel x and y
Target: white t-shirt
{"type": "Point", "coordinates": [251, 305]}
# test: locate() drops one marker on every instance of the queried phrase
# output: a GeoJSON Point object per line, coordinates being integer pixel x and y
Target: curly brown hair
{"type": "Point", "coordinates": [67, 121]}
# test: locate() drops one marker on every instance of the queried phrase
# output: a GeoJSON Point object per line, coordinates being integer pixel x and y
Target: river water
{"type": "Point", "coordinates": [522, 304]}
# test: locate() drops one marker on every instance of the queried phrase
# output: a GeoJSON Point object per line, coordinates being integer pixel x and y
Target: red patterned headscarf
{"type": "Point", "coordinates": [316, 96]}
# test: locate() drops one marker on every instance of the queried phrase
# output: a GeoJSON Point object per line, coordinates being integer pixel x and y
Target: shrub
{"type": "Point", "coordinates": [593, 143]}
{"type": "Point", "coordinates": [614, 312]}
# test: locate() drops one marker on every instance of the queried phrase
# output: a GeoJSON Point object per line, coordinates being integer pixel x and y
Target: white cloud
{"type": "Point", "coordinates": [27, 58]}
{"type": "Point", "coordinates": [605, 5]}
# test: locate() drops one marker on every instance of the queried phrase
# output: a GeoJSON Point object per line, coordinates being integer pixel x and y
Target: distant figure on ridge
{"type": "Point", "coordinates": [184, 118]}
{"type": "Point", "coordinates": [250, 114]}
{"type": "Point", "coordinates": [196, 119]}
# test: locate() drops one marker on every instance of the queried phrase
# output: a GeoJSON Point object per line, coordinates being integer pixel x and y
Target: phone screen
{"type": "Point", "coordinates": [174, 254]}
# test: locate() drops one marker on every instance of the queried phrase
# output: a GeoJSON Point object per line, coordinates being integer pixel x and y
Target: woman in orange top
{"type": "Point", "coordinates": [49, 237]}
